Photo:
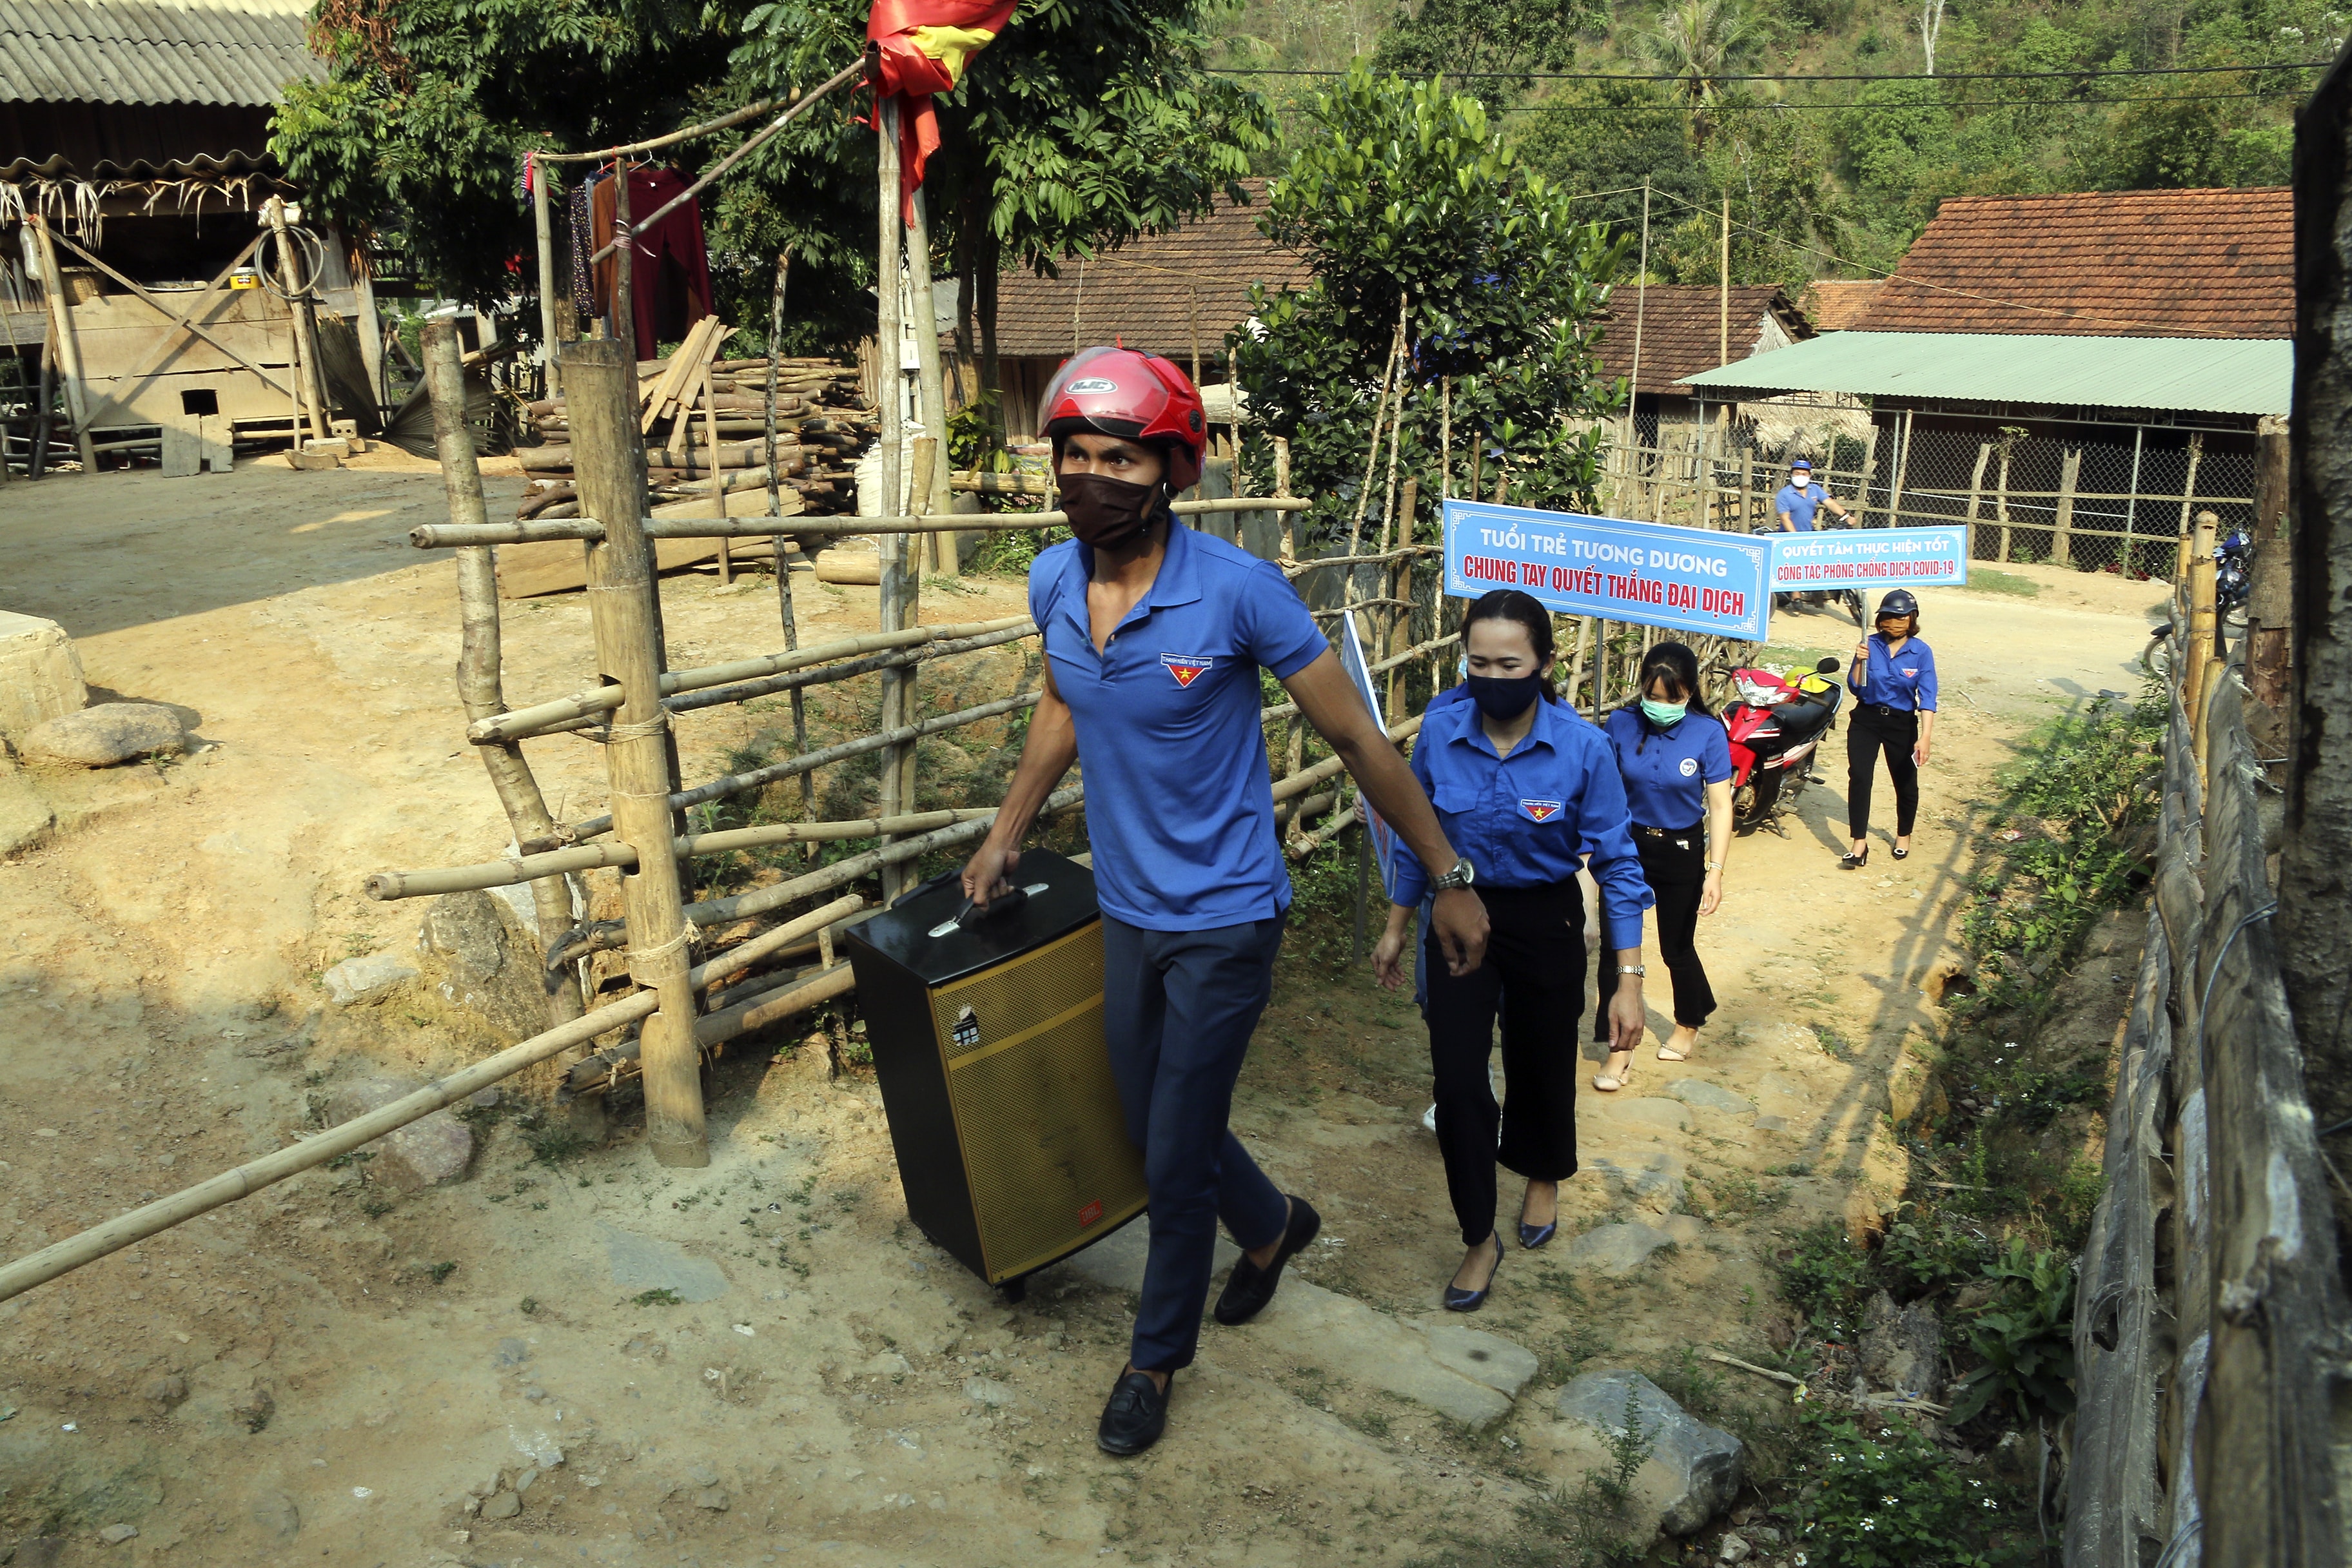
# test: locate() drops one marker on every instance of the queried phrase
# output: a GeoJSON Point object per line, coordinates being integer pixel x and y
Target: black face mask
{"type": "Point", "coordinates": [1504, 700]}
{"type": "Point", "coordinates": [1107, 513]}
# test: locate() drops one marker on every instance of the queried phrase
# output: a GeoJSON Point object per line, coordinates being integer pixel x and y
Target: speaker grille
{"type": "Point", "coordinates": [1044, 1142]}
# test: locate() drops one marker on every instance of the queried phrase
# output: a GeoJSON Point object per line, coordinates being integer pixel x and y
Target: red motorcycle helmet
{"type": "Point", "coordinates": [1136, 397]}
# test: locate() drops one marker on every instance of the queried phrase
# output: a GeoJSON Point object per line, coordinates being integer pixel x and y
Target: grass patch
{"type": "Point", "coordinates": [661, 1298]}
{"type": "Point", "coordinates": [1984, 580]}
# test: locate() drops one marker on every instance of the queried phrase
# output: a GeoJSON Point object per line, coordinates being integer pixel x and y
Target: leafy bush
{"type": "Point", "coordinates": [1891, 1499]}
{"type": "Point", "coordinates": [1827, 1277]}
{"type": "Point", "coordinates": [2025, 1338]}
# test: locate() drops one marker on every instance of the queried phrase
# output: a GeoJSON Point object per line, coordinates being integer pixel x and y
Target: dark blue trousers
{"type": "Point", "coordinates": [1178, 1011]}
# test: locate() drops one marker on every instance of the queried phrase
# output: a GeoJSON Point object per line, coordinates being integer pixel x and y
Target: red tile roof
{"type": "Point", "coordinates": [1144, 292]}
{"type": "Point", "coordinates": [2217, 263]}
{"type": "Point", "coordinates": [1681, 329]}
{"type": "Point", "coordinates": [1835, 304]}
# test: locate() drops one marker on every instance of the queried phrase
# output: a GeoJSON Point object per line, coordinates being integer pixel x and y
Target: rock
{"type": "Point", "coordinates": [1616, 1248]}
{"type": "Point", "coordinates": [332, 446]}
{"type": "Point", "coordinates": [1771, 1124]}
{"type": "Point", "coordinates": [503, 1505]}
{"type": "Point", "coordinates": [1652, 1180]}
{"type": "Point", "coordinates": [1733, 1549]}
{"type": "Point", "coordinates": [712, 1499]}
{"type": "Point", "coordinates": [641, 1263]}
{"type": "Point", "coordinates": [40, 673]}
{"type": "Point", "coordinates": [1865, 1222]}
{"type": "Point", "coordinates": [317, 462]}
{"type": "Point", "coordinates": [987, 1391]}
{"type": "Point", "coordinates": [483, 958]}
{"type": "Point", "coordinates": [884, 1364]}
{"type": "Point", "coordinates": [253, 1408]}
{"type": "Point", "coordinates": [116, 1534]}
{"type": "Point", "coordinates": [166, 1391]}
{"type": "Point", "coordinates": [1902, 1347]}
{"type": "Point", "coordinates": [275, 1512]}
{"type": "Point", "coordinates": [510, 1353]}
{"type": "Point", "coordinates": [426, 1152]}
{"type": "Point", "coordinates": [1693, 1470]}
{"type": "Point", "coordinates": [40, 1552]}
{"type": "Point", "coordinates": [522, 1483]}
{"type": "Point", "coordinates": [23, 815]}
{"type": "Point", "coordinates": [702, 1475]}
{"type": "Point", "coordinates": [1709, 1096]}
{"type": "Point", "coordinates": [358, 979]}
{"type": "Point", "coordinates": [109, 733]}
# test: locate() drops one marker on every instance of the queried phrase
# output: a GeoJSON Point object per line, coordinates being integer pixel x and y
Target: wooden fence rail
{"type": "Point", "coordinates": [2211, 1330]}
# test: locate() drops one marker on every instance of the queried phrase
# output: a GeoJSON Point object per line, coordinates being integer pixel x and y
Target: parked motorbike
{"type": "Point", "coordinates": [1846, 599]}
{"type": "Point", "coordinates": [1776, 729]}
{"type": "Point", "coordinates": [2234, 588]}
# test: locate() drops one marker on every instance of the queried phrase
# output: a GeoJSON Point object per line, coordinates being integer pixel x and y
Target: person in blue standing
{"type": "Point", "coordinates": [1153, 636]}
{"type": "Point", "coordinates": [1530, 792]}
{"type": "Point", "coordinates": [1893, 678]}
{"type": "Point", "coordinates": [1675, 759]}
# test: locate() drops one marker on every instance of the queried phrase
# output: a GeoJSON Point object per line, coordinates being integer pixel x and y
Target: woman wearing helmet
{"type": "Point", "coordinates": [1153, 637]}
{"type": "Point", "coordinates": [1893, 679]}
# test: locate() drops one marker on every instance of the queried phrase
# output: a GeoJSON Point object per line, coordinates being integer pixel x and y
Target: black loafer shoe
{"type": "Point", "coordinates": [1249, 1288]}
{"type": "Point", "coordinates": [1135, 1417]}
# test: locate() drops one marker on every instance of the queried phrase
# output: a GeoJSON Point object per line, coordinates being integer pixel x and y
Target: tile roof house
{"type": "Point", "coordinates": [2214, 263]}
{"type": "Point", "coordinates": [1680, 330]}
{"type": "Point", "coordinates": [1146, 293]}
{"type": "Point", "coordinates": [1836, 304]}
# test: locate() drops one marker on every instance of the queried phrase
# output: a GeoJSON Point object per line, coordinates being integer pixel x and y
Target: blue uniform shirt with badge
{"type": "Point", "coordinates": [1180, 805]}
{"type": "Point", "coordinates": [1905, 680]}
{"type": "Point", "coordinates": [1666, 771]}
{"type": "Point", "coordinates": [1529, 819]}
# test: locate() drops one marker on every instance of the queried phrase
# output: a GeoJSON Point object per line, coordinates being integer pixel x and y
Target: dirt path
{"type": "Point", "coordinates": [302, 1375]}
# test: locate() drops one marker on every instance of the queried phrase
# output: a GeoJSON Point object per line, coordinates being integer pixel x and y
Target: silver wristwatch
{"type": "Point", "coordinates": [1462, 876]}
{"type": "Point", "coordinates": [1635, 970]}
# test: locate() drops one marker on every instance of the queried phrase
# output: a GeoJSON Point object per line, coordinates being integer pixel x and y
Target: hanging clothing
{"type": "Point", "coordinates": [584, 224]}
{"type": "Point", "coordinates": [670, 275]}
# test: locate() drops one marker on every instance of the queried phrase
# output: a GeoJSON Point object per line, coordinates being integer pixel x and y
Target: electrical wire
{"type": "Point", "coordinates": [1865, 103]}
{"type": "Point", "coordinates": [1883, 76]}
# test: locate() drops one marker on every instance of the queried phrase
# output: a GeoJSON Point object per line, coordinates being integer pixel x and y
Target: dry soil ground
{"type": "Point", "coordinates": [830, 1388]}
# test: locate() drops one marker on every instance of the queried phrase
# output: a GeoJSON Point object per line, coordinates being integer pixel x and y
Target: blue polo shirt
{"type": "Point", "coordinates": [1800, 505]}
{"type": "Point", "coordinates": [1905, 680]}
{"type": "Point", "coordinates": [1666, 772]}
{"type": "Point", "coordinates": [1529, 819]}
{"type": "Point", "coordinates": [1180, 805]}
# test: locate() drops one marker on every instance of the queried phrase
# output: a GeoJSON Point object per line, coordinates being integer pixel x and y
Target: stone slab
{"type": "Point", "coordinates": [40, 673]}
{"type": "Point", "coordinates": [428, 1151]}
{"type": "Point", "coordinates": [642, 1263]}
{"type": "Point", "coordinates": [1707, 1096]}
{"type": "Point", "coordinates": [25, 815]}
{"type": "Point", "coordinates": [358, 979]}
{"type": "Point", "coordinates": [1693, 1470]}
{"type": "Point", "coordinates": [1615, 1250]}
{"type": "Point", "coordinates": [1116, 1262]}
{"type": "Point", "coordinates": [1660, 1115]}
{"type": "Point", "coordinates": [110, 734]}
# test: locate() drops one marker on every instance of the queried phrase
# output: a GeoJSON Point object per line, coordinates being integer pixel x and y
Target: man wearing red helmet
{"type": "Point", "coordinates": [1154, 634]}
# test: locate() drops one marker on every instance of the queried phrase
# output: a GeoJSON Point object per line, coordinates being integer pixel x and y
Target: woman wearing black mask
{"type": "Point", "coordinates": [1524, 790]}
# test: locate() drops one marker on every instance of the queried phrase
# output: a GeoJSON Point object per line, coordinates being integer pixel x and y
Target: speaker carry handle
{"type": "Point", "coordinates": [971, 914]}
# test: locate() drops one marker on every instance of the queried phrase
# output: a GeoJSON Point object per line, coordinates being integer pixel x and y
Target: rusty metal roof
{"type": "Point", "coordinates": [229, 52]}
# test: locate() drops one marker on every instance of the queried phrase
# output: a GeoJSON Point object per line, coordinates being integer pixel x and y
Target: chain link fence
{"type": "Point", "coordinates": [2095, 497]}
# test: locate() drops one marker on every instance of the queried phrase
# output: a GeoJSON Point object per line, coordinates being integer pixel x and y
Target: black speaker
{"type": "Point", "coordinates": [987, 1035]}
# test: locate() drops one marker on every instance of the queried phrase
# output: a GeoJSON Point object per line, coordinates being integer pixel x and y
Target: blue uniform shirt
{"type": "Point", "coordinates": [1800, 505]}
{"type": "Point", "coordinates": [1906, 679]}
{"type": "Point", "coordinates": [1180, 806]}
{"type": "Point", "coordinates": [1666, 772]}
{"type": "Point", "coordinates": [1527, 820]}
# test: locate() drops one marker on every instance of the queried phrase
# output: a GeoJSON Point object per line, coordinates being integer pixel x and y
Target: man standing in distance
{"type": "Point", "coordinates": [1153, 636]}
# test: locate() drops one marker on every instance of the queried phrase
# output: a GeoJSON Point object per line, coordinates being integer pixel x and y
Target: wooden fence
{"type": "Point", "coordinates": [2211, 1332]}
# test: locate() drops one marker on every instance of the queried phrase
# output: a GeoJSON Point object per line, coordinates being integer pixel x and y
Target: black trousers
{"type": "Point", "coordinates": [1534, 975]}
{"type": "Point", "coordinates": [1675, 869]}
{"type": "Point", "coordinates": [1872, 728]}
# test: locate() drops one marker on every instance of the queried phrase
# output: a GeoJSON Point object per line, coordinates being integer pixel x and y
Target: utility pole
{"type": "Point", "coordinates": [1723, 288]}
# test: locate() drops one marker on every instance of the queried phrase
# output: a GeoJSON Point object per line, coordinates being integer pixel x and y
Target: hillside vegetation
{"type": "Point", "coordinates": [1830, 178]}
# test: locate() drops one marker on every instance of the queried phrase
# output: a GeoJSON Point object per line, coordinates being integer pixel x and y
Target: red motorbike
{"type": "Point", "coordinates": [1776, 727]}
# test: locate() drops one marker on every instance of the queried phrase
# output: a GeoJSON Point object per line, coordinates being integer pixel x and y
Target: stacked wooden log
{"type": "Point", "coordinates": [705, 444]}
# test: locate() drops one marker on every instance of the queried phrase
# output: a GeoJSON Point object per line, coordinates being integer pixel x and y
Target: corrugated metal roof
{"type": "Point", "coordinates": [152, 52]}
{"type": "Point", "coordinates": [2192, 375]}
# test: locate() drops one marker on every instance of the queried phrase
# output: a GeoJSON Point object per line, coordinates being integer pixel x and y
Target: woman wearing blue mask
{"type": "Point", "coordinates": [1527, 790]}
{"type": "Point", "coordinates": [1675, 760]}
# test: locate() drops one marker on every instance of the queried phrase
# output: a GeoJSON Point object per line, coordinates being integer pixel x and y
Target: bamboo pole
{"type": "Point", "coordinates": [2061, 537]}
{"type": "Point", "coordinates": [920, 653]}
{"type": "Point", "coordinates": [624, 305]}
{"type": "Point", "coordinates": [603, 402]}
{"type": "Point", "coordinates": [387, 887]}
{"type": "Point", "coordinates": [543, 226]}
{"type": "Point", "coordinates": [480, 688]}
{"type": "Point", "coordinates": [309, 386]}
{"type": "Point", "coordinates": [889, 389]}
{"type": "Point", "coordinates": [1901, 473]}
{"type": "Point", "coordinates": [930, 385]}
{"type": "Point", "coordinates": [64, 1256]}
{"type": "Point", "coordinates": [1373, 448]}
{"type": "Point", "coordinates": [783, 566]}
{"type": "Point", "coordinates": [1282, 492]}
{"type": "Point", "coordinates": [1976, 490]}
{"type": "Point", "coordinates": [710, 428]}
{"type": "Point", "coordinates": [1399, 629]}
{"type": "Point", "coordinates": [2203, 574]}
{"type": "Point", "coordinates": [67, 344]}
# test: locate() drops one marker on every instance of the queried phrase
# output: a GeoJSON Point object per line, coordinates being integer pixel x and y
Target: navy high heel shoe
{"type": "Point", "coordinates": [1460, 1300]}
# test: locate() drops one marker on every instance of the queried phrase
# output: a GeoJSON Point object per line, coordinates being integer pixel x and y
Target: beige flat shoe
{"type": "Point", "coordinates": [1668, 1054]}
{"type": "Point", "coordinates": [1610, 1083]}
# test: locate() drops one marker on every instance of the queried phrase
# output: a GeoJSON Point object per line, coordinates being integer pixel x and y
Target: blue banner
{"type": "Point", "coordinates": [1650, 573]}
{"type": "Point", "coordinates": [1869, 558]}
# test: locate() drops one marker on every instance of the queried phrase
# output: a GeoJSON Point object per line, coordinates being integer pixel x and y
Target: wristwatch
{"type": "Point", "coordinates": [1712, 866]}
{"type": "Point", "coordinates": [1462, 876]}
{"type": "Point", "coordinates": [1635, 970]}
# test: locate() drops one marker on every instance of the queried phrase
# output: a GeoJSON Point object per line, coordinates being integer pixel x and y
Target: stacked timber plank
{"type": "Point", "coordinates": [704, 423]}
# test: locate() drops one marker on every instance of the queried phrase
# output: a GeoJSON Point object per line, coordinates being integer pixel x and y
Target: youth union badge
{"type": "Point", "coordinates": [1186, 668]}
{"type": "Point", "coordinates": [1539, 810]}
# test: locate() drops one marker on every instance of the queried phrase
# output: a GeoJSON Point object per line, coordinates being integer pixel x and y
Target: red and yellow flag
{"type": "Point", "coordinates": [922, 46]}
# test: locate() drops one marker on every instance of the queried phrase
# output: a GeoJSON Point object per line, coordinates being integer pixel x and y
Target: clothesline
{"type": "Point", "coordinates": [733, 118]}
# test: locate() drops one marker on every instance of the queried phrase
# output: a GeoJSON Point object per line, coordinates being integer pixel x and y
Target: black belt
{"type": "Point", "coordinates": [1886, 712]}
{"type": "Point", "coordinates": [1668, 832]}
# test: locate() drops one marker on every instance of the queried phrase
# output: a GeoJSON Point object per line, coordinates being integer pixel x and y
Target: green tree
{"type": "Point", "coordinates": [1405, 195]}
{"type": "Point", "coordinates": [1485, 37]}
